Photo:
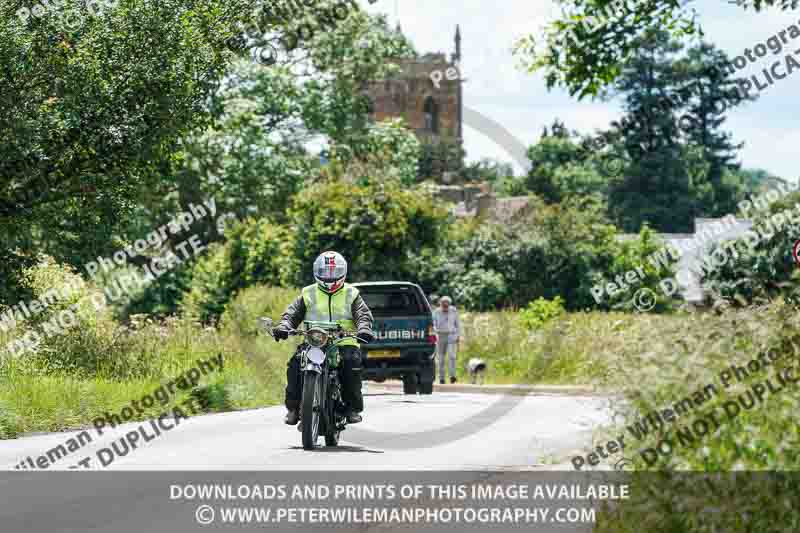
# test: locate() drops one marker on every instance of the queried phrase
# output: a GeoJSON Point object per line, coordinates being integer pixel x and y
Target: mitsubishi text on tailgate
{"type": "Point", "coordinates": [404, 343]}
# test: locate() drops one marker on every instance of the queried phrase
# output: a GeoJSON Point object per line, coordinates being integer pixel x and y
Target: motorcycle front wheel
{"type": "Point", "coordinates": [311, 409]}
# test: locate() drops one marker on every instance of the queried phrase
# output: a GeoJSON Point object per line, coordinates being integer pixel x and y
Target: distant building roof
{"type": "Point", "coordinates": [693, 247]}
{"type": "Point", "coordinates": [508, 208]}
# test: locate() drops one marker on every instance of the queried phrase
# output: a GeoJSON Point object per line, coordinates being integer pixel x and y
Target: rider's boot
{"type": "Point", "coordinates": [353, 417]}
{"type": "Point", "coordinates": [292, 417]}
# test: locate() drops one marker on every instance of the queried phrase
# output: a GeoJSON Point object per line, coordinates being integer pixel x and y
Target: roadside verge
{"type": "Point", "coordinates": [567, 390]}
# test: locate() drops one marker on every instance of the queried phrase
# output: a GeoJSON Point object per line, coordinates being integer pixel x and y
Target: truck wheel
{"type": "Point", "coordinates": [426, 387]}
{"type": "Point", "coordinates": [410, 384]}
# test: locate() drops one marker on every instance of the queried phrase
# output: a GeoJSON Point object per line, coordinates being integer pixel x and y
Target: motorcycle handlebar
{"type": "Point", "coordinates": [338, 334]}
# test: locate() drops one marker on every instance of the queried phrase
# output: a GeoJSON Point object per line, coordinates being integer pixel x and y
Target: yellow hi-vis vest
{"type": "Point", "coordinates": [337, 307]}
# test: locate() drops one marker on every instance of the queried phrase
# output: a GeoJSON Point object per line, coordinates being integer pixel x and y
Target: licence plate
{"type": "Point", "coordinates": [383, 354]}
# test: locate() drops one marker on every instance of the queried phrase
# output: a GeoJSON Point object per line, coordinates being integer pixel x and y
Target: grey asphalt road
{"type": "Point", "coordinates": [445, 438]}
{"type": "Point", "coordinates": [444, 431]}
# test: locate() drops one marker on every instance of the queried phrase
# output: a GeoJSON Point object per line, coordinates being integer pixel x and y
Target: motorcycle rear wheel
{"type": "Point", "coordinates": [311, 409]}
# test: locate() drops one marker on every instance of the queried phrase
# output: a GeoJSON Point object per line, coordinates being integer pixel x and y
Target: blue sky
{"type": "Point", "coordinates": [520, 101]}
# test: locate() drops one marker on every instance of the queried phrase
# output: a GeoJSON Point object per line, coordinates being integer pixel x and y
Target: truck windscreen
{"type": "Point", "coordinates": [398, 301]}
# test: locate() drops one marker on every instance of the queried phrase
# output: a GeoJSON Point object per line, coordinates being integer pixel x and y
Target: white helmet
{"type": "Point", "coordinates": [330, 269]}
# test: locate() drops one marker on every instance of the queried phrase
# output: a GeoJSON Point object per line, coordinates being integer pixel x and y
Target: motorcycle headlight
{"type": "Point", "coordinates": [316, 338]}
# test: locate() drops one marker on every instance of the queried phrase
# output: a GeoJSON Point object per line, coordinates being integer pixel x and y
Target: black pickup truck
{"type": "Point", "coordinates": [404, 340]}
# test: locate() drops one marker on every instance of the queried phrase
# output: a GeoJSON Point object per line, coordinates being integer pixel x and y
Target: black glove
{"type": "Point", "coordinates": [366, 336]}
{"type": "Point", "coordinates": [280, 333]}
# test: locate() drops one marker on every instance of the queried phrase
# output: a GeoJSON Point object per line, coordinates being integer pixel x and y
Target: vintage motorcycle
{"type": "Point", "coordinates": [322, 410]}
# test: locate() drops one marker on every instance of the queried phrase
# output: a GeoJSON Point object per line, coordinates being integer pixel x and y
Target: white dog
{"type": "Point", "coordinates": [477, 369]}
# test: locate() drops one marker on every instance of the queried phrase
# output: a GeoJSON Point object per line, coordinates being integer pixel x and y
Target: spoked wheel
{"type": "Point", "coordinates": [311, 410]}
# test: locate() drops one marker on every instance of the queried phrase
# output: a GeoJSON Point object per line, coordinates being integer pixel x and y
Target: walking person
{"type": "Point", "coordinates": [448, 334]}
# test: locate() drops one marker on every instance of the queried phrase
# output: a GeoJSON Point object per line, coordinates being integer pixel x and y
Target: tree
{"type": "Point", "coordinates": [488, 170]}
{"type": "Point", "coordinates": [549, 156]}
{"type": "Point", "coordinates": [378, 226]}
{"type": "Point", "coordinates": [703, 120]}
{"type": "Point", "coordinates": [387, 149]}
{"type": "Point", "coordinates": [252, 157]}
{"type": "Point", "coordinates": [563, 165]}
{"type": "Point", "coordinates": [559, 249]}
{"type": "Point", "coordinates": [680, 164]}
{"type": "Point", "coordinates": [112, 123]}
{"type": "Point", "coordinates": [758, 180]}
{"type": "Point", "coordinates": [438, 157]}
{"type": "Point", "coordinates": [654, 187]}
{"type": "Point", "coordinates": [91, 107]}
{"type": "Point", "coordinates": [584, 49]}
{"type": "Point", "coordinates": [250, 256]}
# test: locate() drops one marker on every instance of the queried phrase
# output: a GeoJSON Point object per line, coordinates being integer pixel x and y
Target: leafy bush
{"type": "Point", "coordinates": [241, 314]}
{"type": "Point", "coordinates": [761, 267]}
{"type": "Point", "coordinates": [541, 311]}
{"type": "Point", "coordinates": [163, 296]}
{"type": "Point", "coordinates": [378, 227]}
{"type": "Point", "coordinates": [74, 333]}
{"type": "Point", "coordinates": [250, 255]}
{"type": "Point", "coordinates": [212, 397]}
{"type": "Point", "coordinates": [479, 289]}
{"type": "Point", "coordinates": [557, 250]}
{"type": "Point", "coordinates": [633, 255]}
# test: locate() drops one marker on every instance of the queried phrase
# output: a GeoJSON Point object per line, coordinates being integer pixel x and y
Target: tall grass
{"type": "Point", "coordinates": [100, 365]}
{"type": "Point", "coordinates": [655, 370]}
{"type": "Point", "coordinates": [564, 350]}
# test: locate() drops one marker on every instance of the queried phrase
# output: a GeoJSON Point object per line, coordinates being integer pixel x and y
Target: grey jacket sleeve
{"type": "Point", "coordinates": [294, 314]}
{"type": "Point", "coordinates": [362, 316]}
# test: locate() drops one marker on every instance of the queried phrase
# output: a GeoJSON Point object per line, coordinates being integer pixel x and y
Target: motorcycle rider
{"type": "Point", "coordinates": [329, 299]}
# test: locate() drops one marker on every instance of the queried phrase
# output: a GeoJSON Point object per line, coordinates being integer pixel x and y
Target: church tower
{"type": "Point", "coordinates": [456, 59]}
{"type": "Point", "coordinates": [427, 93]}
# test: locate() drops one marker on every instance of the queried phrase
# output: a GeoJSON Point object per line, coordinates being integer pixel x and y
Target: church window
{"type": "Point", "coordinates": [431, 113]}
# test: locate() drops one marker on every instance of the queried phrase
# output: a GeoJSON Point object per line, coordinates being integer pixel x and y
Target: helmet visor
{"type": "Point", "coordinates": [329, 273]}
